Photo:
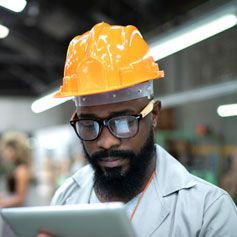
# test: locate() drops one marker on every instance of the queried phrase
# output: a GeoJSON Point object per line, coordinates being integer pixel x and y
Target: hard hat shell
{"type": "Point", "coordinates": [107, 58]}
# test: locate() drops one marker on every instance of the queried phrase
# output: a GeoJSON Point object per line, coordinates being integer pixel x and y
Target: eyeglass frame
{"type": "Point", "coordinates": [104, 122]}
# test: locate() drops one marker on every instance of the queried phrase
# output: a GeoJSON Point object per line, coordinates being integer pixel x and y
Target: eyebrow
{"type": "Point", "coordinates": [112, 114]}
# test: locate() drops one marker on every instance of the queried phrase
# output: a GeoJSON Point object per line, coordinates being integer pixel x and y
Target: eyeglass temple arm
{"type": "Point", "coordinates": [148, 108]}
{"type": "Point", "coordinates": [144, 112]}
{"type": "Point", "coordinates": [74, 116]}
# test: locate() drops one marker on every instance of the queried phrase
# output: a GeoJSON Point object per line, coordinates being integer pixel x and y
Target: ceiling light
{"type": "Point", "coordinates": [47, 102]}
{"type": "Point", "coordinates": [13, 5]}
{"type": "Point", "coordinates": [4, 31]}
{"type": "Point", "coordinates": [193, 33]}
{"type": "Point", "coordinates": [227, 110]}
{"type": "Point", "coordinates": [199, 94]}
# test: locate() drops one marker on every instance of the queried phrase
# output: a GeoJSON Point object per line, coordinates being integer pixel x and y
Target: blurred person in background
{"type": "Point", "coordinates": [15, 161]}
{"type": "Point", "coordinates": [110, 73]}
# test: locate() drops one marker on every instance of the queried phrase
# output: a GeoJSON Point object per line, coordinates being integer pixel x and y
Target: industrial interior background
{"type": "Point", "coordinates": [31, 65]}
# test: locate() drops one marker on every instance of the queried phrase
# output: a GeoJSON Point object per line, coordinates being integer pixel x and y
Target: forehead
{"type": "Point", "coordinates": [100, 111]}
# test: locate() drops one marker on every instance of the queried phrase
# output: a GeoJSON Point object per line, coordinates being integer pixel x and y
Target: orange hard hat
{"type": "Point", "coordinates": [107, 58]}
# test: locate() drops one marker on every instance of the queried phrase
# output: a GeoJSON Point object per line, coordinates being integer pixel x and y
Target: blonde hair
{"type": "Point", "coordinates": [20, 143]}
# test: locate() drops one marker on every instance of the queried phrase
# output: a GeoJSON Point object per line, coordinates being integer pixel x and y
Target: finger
{"type": "Point", "coordinates": [45, 234]}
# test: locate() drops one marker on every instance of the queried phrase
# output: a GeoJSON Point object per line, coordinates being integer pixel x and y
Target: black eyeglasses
{"type": "Point", "coordinates": [125, 126]}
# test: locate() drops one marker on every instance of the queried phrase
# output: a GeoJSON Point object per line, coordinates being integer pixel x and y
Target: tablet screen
{"type": "Point", "coordinates": [82, 220]}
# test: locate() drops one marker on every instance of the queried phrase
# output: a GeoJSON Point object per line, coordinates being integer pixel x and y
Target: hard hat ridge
{"type": "Point", "coordinates": [107, 58]}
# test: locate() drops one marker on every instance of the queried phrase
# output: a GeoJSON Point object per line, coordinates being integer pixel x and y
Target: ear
{"type": "Point", "coordinates": [155, 113]}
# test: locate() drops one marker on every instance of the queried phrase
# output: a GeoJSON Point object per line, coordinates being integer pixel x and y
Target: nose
{"type": "Point", "coordinates": [106, 140]}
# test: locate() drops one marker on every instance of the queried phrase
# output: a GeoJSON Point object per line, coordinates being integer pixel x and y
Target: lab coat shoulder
{"type": "Point", "coordinates": [219, 211]}
{"type": "Point", "coordinates": [174, 177]}
{"type": "Point", "coordinates": [193, 206]}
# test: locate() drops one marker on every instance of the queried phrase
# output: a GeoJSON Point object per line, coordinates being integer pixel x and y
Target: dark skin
{"type": "Point", "coordinates": [107, 141]}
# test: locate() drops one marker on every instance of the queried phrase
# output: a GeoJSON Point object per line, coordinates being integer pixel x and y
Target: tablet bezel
{"type": "Point", "coordinates": [99, 219]}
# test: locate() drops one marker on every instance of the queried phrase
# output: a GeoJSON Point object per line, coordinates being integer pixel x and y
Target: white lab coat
{"type": "Point", "coordinates": [176, 203]}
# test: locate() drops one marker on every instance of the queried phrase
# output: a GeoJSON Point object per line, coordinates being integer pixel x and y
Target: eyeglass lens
{"type": "Point", "coordinates": [121, 127]}
{"type": "Point", "coordinates": [87, 129]}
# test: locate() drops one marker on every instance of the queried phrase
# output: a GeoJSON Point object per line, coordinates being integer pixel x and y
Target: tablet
{"type": "Point", "coordinates": [82, 220]}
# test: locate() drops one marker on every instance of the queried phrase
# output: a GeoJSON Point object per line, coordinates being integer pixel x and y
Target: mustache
{"type": "Point", "coordinates": [103, 154]}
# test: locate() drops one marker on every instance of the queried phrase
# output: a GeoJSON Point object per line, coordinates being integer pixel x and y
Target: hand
{"type": "Point", "coordinates": [45, 234]}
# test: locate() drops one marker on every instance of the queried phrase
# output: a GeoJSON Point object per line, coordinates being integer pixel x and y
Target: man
{"type": "Point", "coordinates": [109, 72]}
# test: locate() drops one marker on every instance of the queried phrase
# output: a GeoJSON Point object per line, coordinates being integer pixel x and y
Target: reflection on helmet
{"type": "Point", "coordinates": [107, 58]}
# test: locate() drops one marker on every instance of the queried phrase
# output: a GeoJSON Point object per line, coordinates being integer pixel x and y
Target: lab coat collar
{"type": "Point", "coordinates": [172, 176]}
{"type": "Point", "coordinates": [84, 179]}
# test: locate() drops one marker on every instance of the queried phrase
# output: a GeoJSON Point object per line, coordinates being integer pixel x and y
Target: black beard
{"type": "Point", "coordinates": [113, 182]}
